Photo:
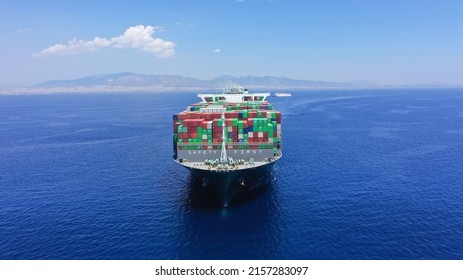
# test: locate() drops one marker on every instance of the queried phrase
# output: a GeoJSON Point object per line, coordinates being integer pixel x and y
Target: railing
{"type": "Point", "coordinates": [228, 145]}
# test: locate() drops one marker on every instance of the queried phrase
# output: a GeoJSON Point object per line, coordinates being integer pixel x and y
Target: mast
{"type": "Point", "coordinates": [223, 154]}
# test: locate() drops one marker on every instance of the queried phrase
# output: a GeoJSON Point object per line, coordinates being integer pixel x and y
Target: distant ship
{"type": "Point", "coordinates": [229, 140]}
{"type": "Point", "coordinates": [282, 94]}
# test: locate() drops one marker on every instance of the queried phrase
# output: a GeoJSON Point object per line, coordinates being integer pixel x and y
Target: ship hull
{"type": "Point", "coordinates": [225, 185]}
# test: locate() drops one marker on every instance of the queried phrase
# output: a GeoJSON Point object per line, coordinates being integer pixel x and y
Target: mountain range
{"type": "Point", "coordinates": [131, 82]}
{"type": "Point", "coordinates": [126, 82]}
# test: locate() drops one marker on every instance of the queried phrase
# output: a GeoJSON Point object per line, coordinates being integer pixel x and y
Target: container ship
{"type": "Point", "coordinates": [229, 140]}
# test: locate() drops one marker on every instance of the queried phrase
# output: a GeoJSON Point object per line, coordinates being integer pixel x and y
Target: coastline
{"type": "Point", "coordinates": [161, 89]}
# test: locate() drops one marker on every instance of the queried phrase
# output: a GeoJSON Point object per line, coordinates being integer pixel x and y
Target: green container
{"type": "Point", "coordinates": [260, 121]}
{"type": "Point", "coordinates": [269, 127]}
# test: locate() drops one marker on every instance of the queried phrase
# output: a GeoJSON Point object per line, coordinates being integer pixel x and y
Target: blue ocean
{"type": "Point", "coordinates": [365, 174]}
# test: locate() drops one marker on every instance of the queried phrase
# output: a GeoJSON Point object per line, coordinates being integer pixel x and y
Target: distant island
{"type": "Point", "coordinates": [127, 82]}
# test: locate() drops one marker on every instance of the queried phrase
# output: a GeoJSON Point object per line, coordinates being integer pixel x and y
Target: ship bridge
{"type": "Point", "coordinates": [234, 95]}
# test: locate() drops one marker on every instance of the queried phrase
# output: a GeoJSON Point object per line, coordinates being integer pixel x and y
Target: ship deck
{"type": "Point", "coordinates": [226, 168]}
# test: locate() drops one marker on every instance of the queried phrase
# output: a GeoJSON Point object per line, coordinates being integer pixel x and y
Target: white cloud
{"type": "Point", "coordinates": [135, 37]}
{"type": "Point", "coordinates": [23, 30]}
{"type": "Point", "coordinates": [76, 46]}
{"type": "Point", "coordinates": [141, 37]}
{"type": "Point", "coordinates": [217, 50]}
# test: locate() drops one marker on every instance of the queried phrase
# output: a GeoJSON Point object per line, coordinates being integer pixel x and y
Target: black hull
{"type": "Point", "coordinates": [227, 184]}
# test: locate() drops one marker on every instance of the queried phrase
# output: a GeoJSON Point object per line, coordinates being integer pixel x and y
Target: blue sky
{"type": "Point", "coordinates": [389, 42]}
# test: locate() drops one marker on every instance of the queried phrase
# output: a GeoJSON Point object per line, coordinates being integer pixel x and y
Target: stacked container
{"type": "Point", "coordinates": [248, 125]}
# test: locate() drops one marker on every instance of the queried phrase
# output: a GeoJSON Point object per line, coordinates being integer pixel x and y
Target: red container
{"type": "Point", "coordinates": [182, 116]}
{"type": "Point", "coordinates": [193, 122]}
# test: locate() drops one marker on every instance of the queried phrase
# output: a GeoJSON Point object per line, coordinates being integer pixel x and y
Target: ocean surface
{"type": "Point", "coordinates": [365, 174]}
